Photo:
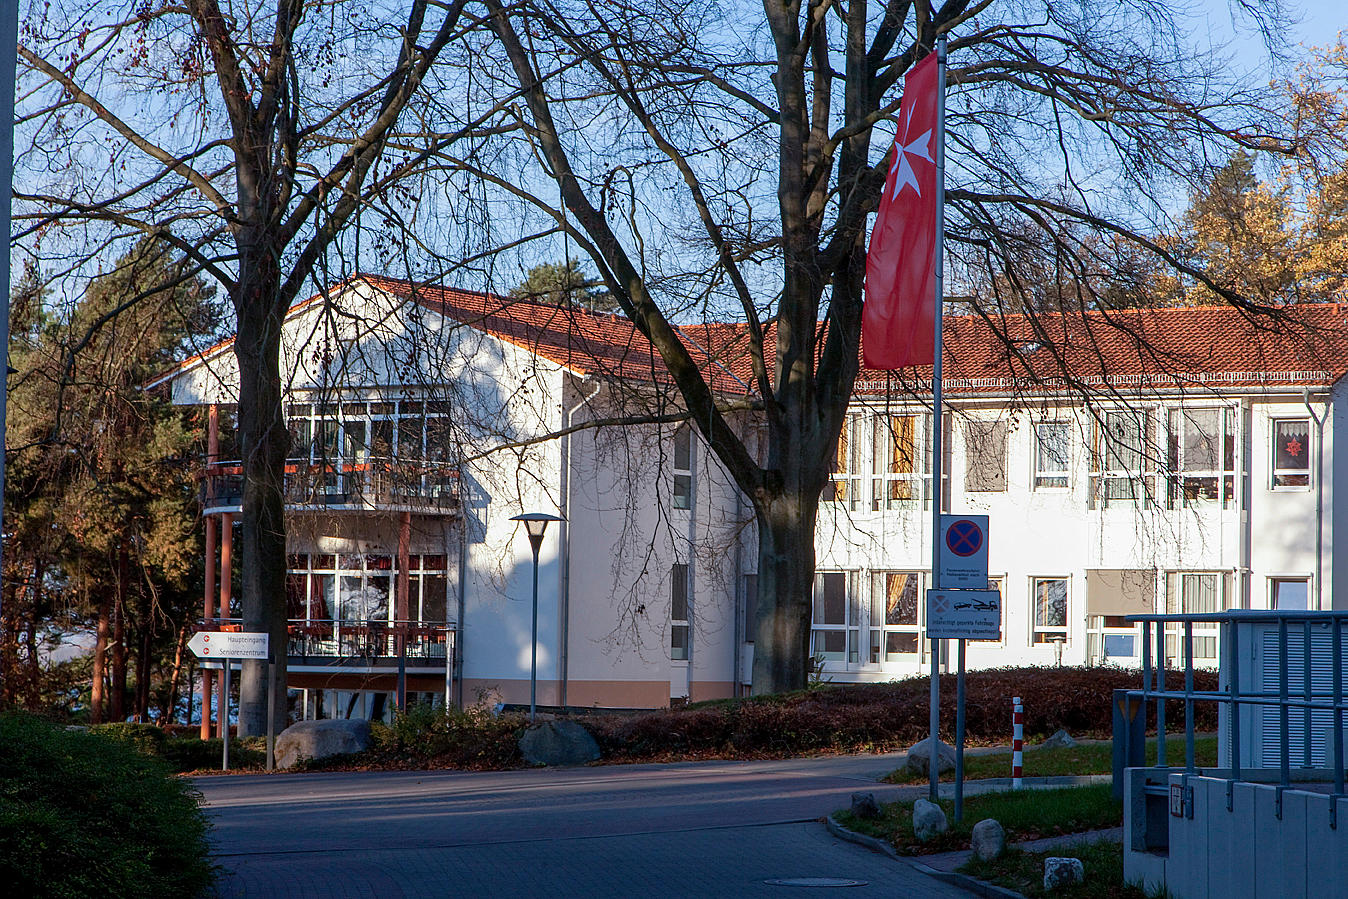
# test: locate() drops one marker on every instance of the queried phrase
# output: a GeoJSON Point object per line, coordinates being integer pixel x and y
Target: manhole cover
{"type": "Point", "coordinates": [816, 882]}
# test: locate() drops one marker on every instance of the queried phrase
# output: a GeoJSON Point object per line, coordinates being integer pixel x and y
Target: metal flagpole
{"type": "Point", "coordinates": [934, 761]}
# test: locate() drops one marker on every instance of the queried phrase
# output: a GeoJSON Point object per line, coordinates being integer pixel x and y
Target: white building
{"type": "Point", "coordinates": [1187, 463]}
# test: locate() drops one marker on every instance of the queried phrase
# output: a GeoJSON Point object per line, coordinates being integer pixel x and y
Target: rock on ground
{"type": "Point", "coordinates": [320, 739]}
{"type": "Point", "coordinates": [1060, 739]}
{"type": "Point", "coordinates": [919, 754]}
{"type": "Point", "coordinates": [1061, 872]}
{"type": "Point", "coordinates": [928, 820]}
{"type": "Point", "coordinates": [988, 839]}
{"type": "Point", "coordinates": [865, 806]}
{"type": "Point", "coordinates": [558, 743]}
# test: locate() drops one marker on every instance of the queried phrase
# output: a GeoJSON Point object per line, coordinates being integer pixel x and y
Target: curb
{"type": "Point", "coordinates": [963, 881]}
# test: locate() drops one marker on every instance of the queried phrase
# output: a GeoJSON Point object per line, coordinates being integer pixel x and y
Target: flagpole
{"type": "Point", "coordinates": [934, 757]}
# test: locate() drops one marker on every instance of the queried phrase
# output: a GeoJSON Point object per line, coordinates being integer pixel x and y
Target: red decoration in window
{"type": "Point", "coordinates": [1294, 448]}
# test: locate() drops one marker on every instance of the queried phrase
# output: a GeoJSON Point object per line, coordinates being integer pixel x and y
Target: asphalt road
{"type": "Point", "coordinates": [693, 829]}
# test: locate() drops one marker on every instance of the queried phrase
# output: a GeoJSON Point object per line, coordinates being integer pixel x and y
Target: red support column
{"type": "Point", "coordinates": [208, 605]}
{"type": "Point", "coordinates": [226, 587]}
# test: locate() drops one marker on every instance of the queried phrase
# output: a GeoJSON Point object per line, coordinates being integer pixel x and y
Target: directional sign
{"type": "Point", "coordinates": [964, 552]}
{"type": "Point", "coordinates": [964, 614]}
{"type": "Point", "coordinates": [228, 645]}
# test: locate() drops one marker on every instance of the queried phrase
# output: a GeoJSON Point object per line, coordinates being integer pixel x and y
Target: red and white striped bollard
{"type": "Point", "coordinates": [1017, 741]}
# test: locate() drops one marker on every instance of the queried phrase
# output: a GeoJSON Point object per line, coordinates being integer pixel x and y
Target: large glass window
{"type": "Point", "coordinates": [1289, 593]}
{"type": "Point", "coordinates": [1050, 610]}
{"type": "Point", "coordinates": [355, 588]}
{"type": "Point", "coordinates": [898, 460]}
{"type": "Point", "coordinates": [678, 613]}
{"type": "Point", "coordinates": [683, 467]}
{"type": "Point", "coordinates": [835, 636]}
{"type": "Point", "coordinates": [1052, 453]}
{"type": "Point", "coordinates": [1122, 457]}
{"type": "Point", "coordinates": [1291, 452]}
{"type": "Point", "coordinates": [894, 616]}
{"type": "Point", "coordinates": [1201, 456]}
{"type": "Point", "coordinates": [1195, 593]}
{"type": "Point", "coordinates": [985, 456]}
{"type": "Point", "coordinates": [845, 481]}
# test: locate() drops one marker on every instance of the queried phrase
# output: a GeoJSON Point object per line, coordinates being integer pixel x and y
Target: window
{"type": "Point", "coordinates": [1201, 456]}
{"type": "Point", "coordinates": [678, 613]}
{"type": "Point", "coordinates": [894, 610]}
{"type": "Point", "coordinates": [835, 635]}
{"type": "Point", "coordinates": [1122, 457]}
{"type": "Point", "coordinates": [683, 468]}
{"type": "Point", "coordinates": [898, 461]}
{"type": "Point", "coordinates": [1195, 593]}
{"type": "Point", "coordinates": [845, 485]}
{"type": "Point", "coordinates": [985, 456]}
{"type": "Point", "coordinates": [750, 607]}
{"type": "Point", "coordinates": [1050, 610]}
{"type": "Point", "coordinates": [1289, 593]}
{"type": "Point", "coordinates": [1052, 453]}
{"type": "Point", "coordinates": [1291, 452]}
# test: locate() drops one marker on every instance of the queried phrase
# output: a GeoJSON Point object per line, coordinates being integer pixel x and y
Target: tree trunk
{"type": "Point", "coordinates": [97, 691]}
{"type": "Point", "coordinates": [785, 587]}
{"type": "Point", "coordinates": [264, 440]}
{"type": "Point", "coordinates": [170, 706]}
{"type": "Point", "coordinates": [117, 705]}
{"type": "Point", "coordinates": [144, 658]}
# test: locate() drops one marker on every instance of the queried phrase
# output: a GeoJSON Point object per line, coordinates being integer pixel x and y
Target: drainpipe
{"type": "Point", "coordinates": [564, 606]}
{"type": "Point", "coordinates": [1319, 494]}
{"type": "Point", "coordinates": [1245, 496]}
{"type": "Point", "coordinates": [454, 665]}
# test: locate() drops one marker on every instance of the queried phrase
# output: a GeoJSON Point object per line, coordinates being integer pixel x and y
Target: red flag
{"type": "Point", "coordinates": [899, 315]}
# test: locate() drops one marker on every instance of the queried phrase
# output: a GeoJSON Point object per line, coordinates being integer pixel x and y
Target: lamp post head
{"type": "Point", "coordinates": [535, 523]}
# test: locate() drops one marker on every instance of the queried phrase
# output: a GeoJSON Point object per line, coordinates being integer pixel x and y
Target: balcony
{"type": "Point", "coordinates": [370, 483]}
{"type": "Point", "coordinates": [366, 644]}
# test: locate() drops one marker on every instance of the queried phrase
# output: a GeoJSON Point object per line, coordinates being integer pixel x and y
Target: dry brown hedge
{"type": "Point", "coordinates": [882, 717]}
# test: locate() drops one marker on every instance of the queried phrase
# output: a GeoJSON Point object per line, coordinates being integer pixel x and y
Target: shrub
{"type": "Point", "coordinates": [426, 736]}
{"type": "Point", "coordinates": [186, 753]}
{"type": "Point", "coordinates": [82, 814]}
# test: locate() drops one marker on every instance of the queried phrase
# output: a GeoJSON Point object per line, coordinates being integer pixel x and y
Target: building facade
{"type": "Point", "coordinates": [1175, 460]}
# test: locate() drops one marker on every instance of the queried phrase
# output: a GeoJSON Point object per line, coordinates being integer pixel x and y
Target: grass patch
{"type": "Point", "coordinates": [1024, 872]}
{"type": "Point", "coordinates": [1025, 814]}
{"type": "Point", "coordinates": [1085, 758]}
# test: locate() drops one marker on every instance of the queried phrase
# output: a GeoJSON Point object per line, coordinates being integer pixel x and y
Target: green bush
{"type": "Point", "coordinates": [423, 735]}
{"type": "Point", "coordinates": [185, 754]}
{"type": "Point", "coordinates": [83, 815]}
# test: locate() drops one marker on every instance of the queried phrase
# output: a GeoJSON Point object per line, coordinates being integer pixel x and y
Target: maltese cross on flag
{"type": "Point", "coordinates": [899, 315]}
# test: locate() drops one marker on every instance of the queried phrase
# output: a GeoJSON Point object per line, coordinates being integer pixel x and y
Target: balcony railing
{"type": "Point", "coordinates": [369, 482]}
{"type": "Point", "coordinates": [333, 641]}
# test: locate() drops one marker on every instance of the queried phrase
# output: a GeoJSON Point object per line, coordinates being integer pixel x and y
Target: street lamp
{"type": "Point", "coordinates": [535, 523]}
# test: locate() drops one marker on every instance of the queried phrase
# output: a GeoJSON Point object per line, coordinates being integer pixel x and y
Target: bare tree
{"type": "Point", "coordinates": [722, 161]}
{"type": "Point", "coordinates": [248, 135]}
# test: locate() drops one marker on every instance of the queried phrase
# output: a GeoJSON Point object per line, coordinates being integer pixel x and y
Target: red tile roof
{"type": "Point", "coordinates": [1131, 349]}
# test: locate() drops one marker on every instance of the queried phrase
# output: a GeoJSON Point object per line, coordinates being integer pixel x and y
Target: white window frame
{"type": "Point", "coordinates": [898, 482]}
{"type": "Point", "coordinates": [850, 628]}
{"type": "Point", "coordinates": [1182, 596]}
{"type": "Point", "coordinates": [1274, 581]}
{"type": "Point", "coordinates": [1186, 482]}
{"type": "Point", "coordinates": [1049, 478]}
{"type": "Point", "coordinates": [1292, 474]}
{"type": "Point", "coordinates": [845, 481]}
{"type": "Point", "coordinates": [1036, 629]}
{"type": "Point", "coordinates": [680, 630]}
{"type": "Point", "coordinates": [682, 486]}
{"type": "Point", "coordinates": [1115, 462]}
{"type": "Point", "coordinates": [879, 629]}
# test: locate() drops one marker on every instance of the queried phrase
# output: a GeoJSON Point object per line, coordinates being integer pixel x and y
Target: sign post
{"type": "Point", "coordinates": [227, 646]}
{"type": "Point", "coordinates": [961, 607]}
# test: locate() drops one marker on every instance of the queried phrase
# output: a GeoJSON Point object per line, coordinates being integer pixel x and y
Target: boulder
{"type": "Point", "coordinates": [988, 839]}
{"type": "Point", "coordinates": [1060, 739]}
{"type": "Point", "coordinates": [558, 743]}
{"type": "Point", "coordinates": [865, 806]}
{"type": "Point", "coordinates": [320, 739]}
{"type": "Point", "coordinates": [928, 820]}
{"type": "Point", "coordinates": [1061, 872]}
{"type": "Point", "coordinates": [919, 753]}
